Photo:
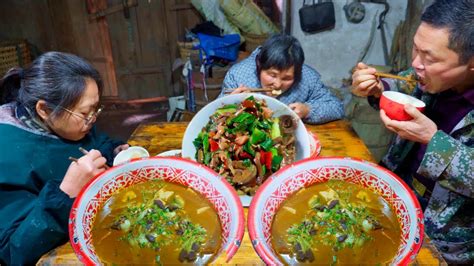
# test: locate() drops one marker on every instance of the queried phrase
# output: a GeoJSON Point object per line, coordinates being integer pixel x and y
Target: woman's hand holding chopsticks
{"type": "Point", "coordinates": [244, 89]}
{"type": "Point", "coordinates": [81, 170]}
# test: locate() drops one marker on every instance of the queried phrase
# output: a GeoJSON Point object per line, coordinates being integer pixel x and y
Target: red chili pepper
{"type": "Point", "coordinates": [245, 155]}
{"type": "Point", "coordinates": [266, 159]}
{"type": "Point", "coordinates": [214, 145]}
{"type": "Point", "coordinates": [248, 104]}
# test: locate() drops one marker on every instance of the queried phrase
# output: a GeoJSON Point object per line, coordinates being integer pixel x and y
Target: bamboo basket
{"type": "Point", "coordinates": [13, 54]}
{"type": "Point", "coordinates": [186, 50]}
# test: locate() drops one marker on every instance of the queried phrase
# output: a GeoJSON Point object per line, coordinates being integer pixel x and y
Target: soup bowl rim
{"type": "Point", "coordinates": [234, 240]}
{"type": "Point", "coordinates": [266, 254]}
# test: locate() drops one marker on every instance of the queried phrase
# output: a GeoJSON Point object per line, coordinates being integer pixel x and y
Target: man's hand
{"type": "Point", "coordinates": [420, 129]}
{"type": "Point", "coordinates": [80, 172]}
{"type": "Point", "coordinates": [301, 109]}
{"type": "Point", "coordinates": [364, 81]}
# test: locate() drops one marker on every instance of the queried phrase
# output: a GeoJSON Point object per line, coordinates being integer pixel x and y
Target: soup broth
{"type": "Point", "coordinates": [335, 222]}
{"type": "Point", "coordinates": [156, 222]}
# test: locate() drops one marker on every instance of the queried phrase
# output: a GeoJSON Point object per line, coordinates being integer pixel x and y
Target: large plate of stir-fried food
{"type": "Point", "coordinates": [246, 138]}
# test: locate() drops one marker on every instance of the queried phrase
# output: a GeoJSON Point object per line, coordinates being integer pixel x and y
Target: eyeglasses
{"type": "Point", "coordinates": [90, 117]}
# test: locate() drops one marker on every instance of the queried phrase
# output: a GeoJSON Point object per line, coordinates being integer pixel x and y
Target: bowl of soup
{"type": "Point", "coordinates": [161, 210]}
{"type": "Point", "coordinates": [335, 211]}
{"type": "Point", "coordinates": [245, 138]}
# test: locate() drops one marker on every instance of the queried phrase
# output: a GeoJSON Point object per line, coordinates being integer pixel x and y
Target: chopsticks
{"type": "Point", "coordinates": [252, 90]}
{"type": "Point", "coordinates": [73, 159]}
{"type": "Point", "coordinates": [85, 152]}
{"type": "Point", "coordinates": [386, 75]}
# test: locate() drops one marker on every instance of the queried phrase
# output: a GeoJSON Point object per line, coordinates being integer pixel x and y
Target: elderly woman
{"type": "Point", "coordinates": [54, 104]}
{"type": "Point", "coordinates": [278, 65]}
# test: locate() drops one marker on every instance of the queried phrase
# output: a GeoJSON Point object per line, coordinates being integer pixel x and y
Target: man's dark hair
{"type": "Point", "coordinates": [281, 51]}
{"type": "Point", "coordinates": [57, 78]}
{"type": "Point", "coordinates": [458, 17]}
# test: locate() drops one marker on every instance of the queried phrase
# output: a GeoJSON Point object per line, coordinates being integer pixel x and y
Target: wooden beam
{"type": "Point", "coordinates": [142, 71]}
{"type": "Point", "coordinates": [113, 9]}
{"type": "Point", "coordinates": [178, 7]}
{"type": "Point", "coordinates": [106, 45]}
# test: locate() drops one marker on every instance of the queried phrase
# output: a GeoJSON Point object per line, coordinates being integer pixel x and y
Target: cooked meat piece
{"type": "Point", "coordinates": [288, 124]}
{"type": "Point", "coordinates": [241, 139]}
{"type": "Point", "coordinates": [244, 176]}
{"type": "Point", "coordinates": [267, 112]}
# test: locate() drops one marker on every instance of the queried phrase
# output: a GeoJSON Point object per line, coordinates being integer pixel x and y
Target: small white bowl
{"type": "Point", "coordinates": [170, 153]}
{"type": "Point", "coordinates": [129, 154]}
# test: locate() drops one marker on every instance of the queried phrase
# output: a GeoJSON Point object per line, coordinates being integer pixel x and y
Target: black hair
{"type": "Point", "coordinates": [458, 17]}
{"type": "Point", "coordinates": [55, 77]}
{"type": "Point", "coordinates": [281, 51]}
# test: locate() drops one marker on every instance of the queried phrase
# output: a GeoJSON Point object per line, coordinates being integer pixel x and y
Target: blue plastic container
{"type": "Point", "coordinates": [226, 47]}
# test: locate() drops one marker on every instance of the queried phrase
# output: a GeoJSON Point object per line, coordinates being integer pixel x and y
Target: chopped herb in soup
{"type": "Point", "coordinates": [156, 223]}
{"type": "Point", "coordinates": [245, 144]}
{"type": "Point", "coordinates": [336, 222]}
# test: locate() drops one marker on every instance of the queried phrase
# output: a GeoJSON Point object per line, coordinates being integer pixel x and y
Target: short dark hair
{"type": "Point", "coordinates": [281, 51]}
{"type": "Point", "coordinates": [458, 17]}
{"type": "Point", "coordinates": [55, 77]}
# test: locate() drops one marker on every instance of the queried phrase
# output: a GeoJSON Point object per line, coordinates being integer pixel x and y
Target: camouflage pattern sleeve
{"type": "Point", "coordinates": [451, 163]}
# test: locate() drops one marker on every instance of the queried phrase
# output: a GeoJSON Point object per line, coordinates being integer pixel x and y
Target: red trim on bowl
{"type": "Point", "coordinates": [269, 258]}
{"type": "Point", "coordinates": [317, 144]}
{"type": "Point", "coordinates": [232, 247]}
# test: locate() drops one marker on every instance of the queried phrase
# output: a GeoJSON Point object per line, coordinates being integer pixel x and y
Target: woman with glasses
{"type": "Point", "coordinates": [48, 113]}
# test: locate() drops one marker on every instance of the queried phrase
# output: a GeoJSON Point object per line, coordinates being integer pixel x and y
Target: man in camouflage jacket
{"type": "Point", "coordinates": [433, 152]}
{"type": "Point", "coordinates": [448, 160]}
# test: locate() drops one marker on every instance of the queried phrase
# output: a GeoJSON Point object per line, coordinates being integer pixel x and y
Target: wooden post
{"type": "Point", "coordinates": [103, 37]}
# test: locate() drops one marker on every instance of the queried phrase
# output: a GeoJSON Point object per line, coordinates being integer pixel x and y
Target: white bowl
{"type": "Point", "coordinates": [170, 153]}
{"type": "Point", "coordinates": [303, 145]}
{"type": "Point", "coordinates": [129, 154]}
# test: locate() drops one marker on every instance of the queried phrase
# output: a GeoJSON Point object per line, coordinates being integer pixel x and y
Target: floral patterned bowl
{"type": "Point", "coordinates": [314, 144]}
{"type": "Point", "coordinates": [304, 173]}
{"type": "Point", "coordinates": [171, 169]}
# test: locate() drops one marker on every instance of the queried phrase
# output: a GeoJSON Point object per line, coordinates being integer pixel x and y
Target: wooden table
{"type": "Point", "coordinates": [337, 139]}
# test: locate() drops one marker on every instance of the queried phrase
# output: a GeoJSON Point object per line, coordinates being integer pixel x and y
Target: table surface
{"type": "Point", "coordinates": [337, 139]}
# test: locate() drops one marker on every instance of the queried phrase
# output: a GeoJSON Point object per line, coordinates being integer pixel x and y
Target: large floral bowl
{"type": "Point", "coordinates": [305, 173]}
{"type": "Point", "coordinates": [200, 120]}
{"type": "Point", "coordinates": [303, 141]}
{"type": "Point", "coordinates": [174, 170]}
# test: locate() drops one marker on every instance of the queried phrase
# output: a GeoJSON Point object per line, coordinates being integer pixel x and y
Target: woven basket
{"type": "Point", "coordinates": [252, 41]}
{"type": "Point", "coordinates": [186, 50]}
{"type": "Point", "coordinates": [13, 54]}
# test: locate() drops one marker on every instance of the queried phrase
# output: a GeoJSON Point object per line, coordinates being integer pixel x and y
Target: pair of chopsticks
{"type": "Point", "coordinates": [252, 90]}
{"type": "Point", "coordinates": [85, 152]}
{"type": "Point", "coordinates": [386, 75]}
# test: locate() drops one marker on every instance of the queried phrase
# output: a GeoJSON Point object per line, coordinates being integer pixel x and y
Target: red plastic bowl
{"type": "Point", "coordinates": [393, 102]}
